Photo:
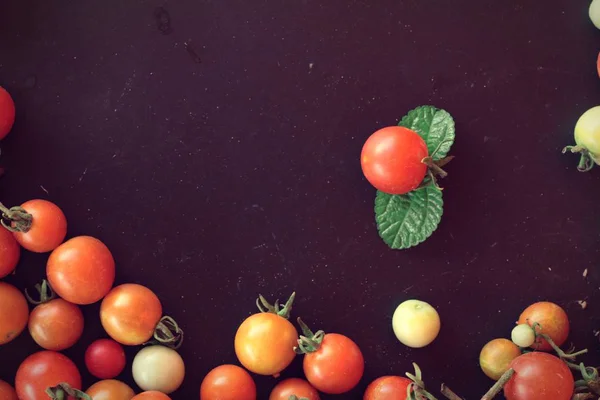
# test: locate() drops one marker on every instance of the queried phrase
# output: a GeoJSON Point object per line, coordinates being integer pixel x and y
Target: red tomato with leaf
{"type": "Point", "coordinates": [10, 252]}
{"type": "Point", "coordinates": [552, 320]}
{"type": "Point", "coordinates": [388, 388]}
{"type": "Point", "coordinates": [539, 376]}
{"type": "Point", "coordinates": [81, 270]}
{"type": "Point", "coordinates": [7, 392]}
{"type": "Point", "coordinates": [294, 387]}
{"type": "Point", "coordinates": [392, 160]}
{"type": "Point", "coordinates": [7, 113]}
{"type": "Point", "coordinates": [42, 370]}
{"type": "Point", "coordinates": [228, 382]}
{"type": "Point", "coordinates": [151, 395]}
{"type": "Point", "coordinates": [105, 359]}
{"type": "Point", "coordinates": [14, 312]}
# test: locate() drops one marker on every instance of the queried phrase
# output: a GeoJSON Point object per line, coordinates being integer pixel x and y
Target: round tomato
{"type": "Point", "coordinates": [539, 376]}
{"type": "Point", "coordinates": [392, 160]}
{"type": "Point", "coordinates": [10, 252]}
{"type": "Point", "coordinates": [7, 392]}
{"type": "Point", "coordinates": [228, 382]}
{"type": "Point", "coordinates": [14, 312]}
{"type": "Point", "coordinates": [42, 370]}
{"type": "Point", "coordinates": [81, 270]}
{"type": "Point", "coordinates": [105, 359]}
{"type": "Point", "coordinates": [388, 388]}
{"type": "Point", "coordinates": [130, 313]}
{"type": "Point", "coordinates": [552, 320]}
{"type": "Point", "coordinates": [7, 113]}
{"type": "Point", "coordinates": [416, 323]}
{"type": "Point", "coordinates": [294, 387]}
{"type": "Point", "coordinates": [110, 390]}
{"type": "Point", "coordinates": [496, 356]}
{"type": "Point", "coordinates": [158, 368]}
{"type": "Point", "coordinates": [264, 342]}
{"type": "Point", "coordinates": [56, 325]}
{"type": "Point", "coordinates": [151, 395]}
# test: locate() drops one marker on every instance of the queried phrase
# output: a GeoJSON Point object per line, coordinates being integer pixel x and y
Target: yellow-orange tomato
{"type": "Point", "coordinates": [81, 270]}
{"type": "Point", "coordinates": [294, 387]}
{"type": "Point", "coordinates": [496, 356]}
{"type": "Point", "coordinates": [151, 395]}
{"type": "Point", "coordinates": [110, 389]}
{"type": "Point", "coordinates": [552, 320]}
{"type": "Point", "coordinates": [14, 312]}
{"type": "Point", "coordinates": [56, 325]}
{"type": "Point", "coordinates": [7, 392]}
{"type": "Point", "coordinates": [48, 227]}
{"type": "Point", "coordinates": [129, 314]}
{"type": "Point", "coordinates": [10, 252]}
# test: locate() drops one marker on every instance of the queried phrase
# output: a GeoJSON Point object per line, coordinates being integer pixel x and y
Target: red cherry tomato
{"type": "Point", "coordinates": [539, 376]}
{"type": "Point", "coordinates": [56, 325]}
{"type": "Point", "coordinates": [42, 370]}
{"type": "Point", "coordinates": [228, 382]}
{"type": "Point", "coordinates": [552, 320]}
{"type": "Point", "coordinates": [105, 359]}
{"type": "Point", "coordinates": [388, 388]}
{"type": "Point", "coordinates": [10, 252]}
{"type": "Point", "coordinates": [7, 392]}
{"type": "Point", "coordinates": [110, 389]}
{"type": "Point", "coordinates": [48, 227]}
{"type": "Point", "coordinates": [14, 312]}
{"type": "Point", "coordinates": [391, 160]}
{"type": "Point", "coordinates": [294, 387]}
{"type": "Point", "coordinates": [7, 113]}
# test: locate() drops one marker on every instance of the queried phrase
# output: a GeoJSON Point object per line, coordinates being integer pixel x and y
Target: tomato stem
{"type": "Point", "coordinates": [44, 290]}
{"type": "Point", "coordinates": [265, 307]}
{"type": "Point", "coordinates": [586, 161]}
{"type": "Point", "coordinates": [450, 395]}
{"type": "Point", "coordinates": [15, 219]}
{"type": "Point", "coordinates": [62, 390]}
{"type": "Point", "coordinates": [308, 342]}
{"type": "Point", "coordinates": [294, 397]}
{"type": "Point", "coordinates": [494, 390]}
{"type": "Point", "coordinates": [168, 333]}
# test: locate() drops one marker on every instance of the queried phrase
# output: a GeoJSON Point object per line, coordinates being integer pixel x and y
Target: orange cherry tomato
{"type": "Point", "coordinates": [130, 313]}
{"type": "Point", "coordinates": [56, 325]}
{"type": "Point", "coordinates": [151, 395]}
{"type": "Point", "coordinates": [48, 227]}
{"type": "Point", "coordinates": [552, 320]}
{"type": "Point", "coordinates": [264, 342]}
{"type": "Point", "coordinates": [7, 392]}
{"type": "Point", "coordinates": [110, 389]}
{"type": "Point", "coordinates": [294, 387]}
{"type": "Point", "coordinates": [7, 113]}
{"type": "Point", "coordinates": [42, 370]}
{"type": "Point", "coordinates": [388, 388]}
{"type": "Point", "coordinates": [81, 270]}
{"type": "Point", "coordinates": [228, 382]}
{"type": "Point", "coordinates": [10, 252]}
{"type": "Point", "coordinates": [14, 312]}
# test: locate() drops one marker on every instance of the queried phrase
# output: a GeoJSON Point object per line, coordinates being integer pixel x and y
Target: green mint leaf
{"type": "Point", "coordinates": [435, 126]}
{"type": "Point", "coordinates": [406, 220]}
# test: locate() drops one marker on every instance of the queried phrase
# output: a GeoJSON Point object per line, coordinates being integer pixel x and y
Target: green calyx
{"type": "Point", "coordinates": [44, 290]}
{"type": "Point", "coordinates": [167, 333]}
{"type": "Point", "coordinates": [308, 342]}
{"type": "Point", "coordinates": [294, 397]}
{"type": "Point", "coordinates": [265, 307]}
{"type": "Point", "coordinates": [15, 219]}
{"type": "Point", "coordinates": [586, 160]}
{"type": "Point", "coordinates": [63, 390]}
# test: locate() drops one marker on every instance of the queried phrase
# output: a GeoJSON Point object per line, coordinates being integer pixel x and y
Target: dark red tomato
{"type": "Point", "coordinates": [7, 392]}
{"type": "Point", "coordinates": [42, 370]}
{"type": "Point", "coordinates": [7, 113]}
{"type": "Point", "coordinates": [56, 325]}
{"type": "Point", "coordinates": [294, 387]}
{"type": "Point", "coordinates": [228, 382]}
{"type": "Point", "coordinates": [391, 160]}
{"type": "Point", "coordinates": [105, 359]}
{"type": "Point", "coordinates": [336, 366]}
{"type": "Point", "coordinates": [552, 320]}
{"type": "Point", "coordinates": [388, 388]}
{"type": "Point", "coordinates": [48, 227]}
{"type": "Point", "coordinates": [539, 376]}
{"type": "Point", "coordinates": [10, 252]}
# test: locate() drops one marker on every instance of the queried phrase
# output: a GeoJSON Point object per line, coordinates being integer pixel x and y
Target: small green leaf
{"type": "Point", "coordinates": [406, 220]}
{"type": "Point", "coordinates": [435, 126]}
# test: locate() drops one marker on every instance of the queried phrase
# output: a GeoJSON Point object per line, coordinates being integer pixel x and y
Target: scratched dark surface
{"type": "Point", "coordinates": [219, 158]}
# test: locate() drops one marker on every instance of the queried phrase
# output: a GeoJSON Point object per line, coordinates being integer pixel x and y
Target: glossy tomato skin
{"type": "Point", "coordinates": [81, 270]}
{"type": "Point", "coordinates": [158, 368]}
{"type": "Point", "coordinates": [129, 314]}
{"type": "Point", "coordinates": [294, 386]}
{"type": "Point", "coordinates": [336, 367]}
{"type": "Point", "coordinates": [151, 395]}
{"type": "Point", "coordinates": [56, 325]}
{"type": "Point", "coordinates": [105, 359]}
{"type": "Point", "coordinates": [264, 343]}
{"type": "Point", "coordinates": [110, 389]}
{"type": "Point", "coordinates": [228, 382]}
{"type": "Point", "coordinates": [7, 113]}
{"type": "Point", "coordinates": [391, 160]}
{"type": "Point", "coordinates": [495, 357]}
{"type": "Point", "coordinates": [539, 376]}
{"type": "Point", "coordinates": [7, 392]}
{"type": "Point", "coordinates": [14, 312]}
{"type": "Point", "coordinates": [10, 252]}
{"type": "Point", "coordinates": [48, 227]}
{"type": "Point", "coordinates": [387, 388]}
{"type": "Point", "coordinates": [42, 370]}
{"type": "Point", "coordinates": [553, 321]}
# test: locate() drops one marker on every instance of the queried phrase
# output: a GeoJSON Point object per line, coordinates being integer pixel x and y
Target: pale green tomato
{"type": "Point", "coordinates": [158, 368]}
{"type": "Point", "coordinates": [587, 129]}
{"type": "Point", "coordinates": [416, 323]}
{"type": "Point", "coordinates": [522, 335]}
{"type": "Point", "coordinates": [595, 13]}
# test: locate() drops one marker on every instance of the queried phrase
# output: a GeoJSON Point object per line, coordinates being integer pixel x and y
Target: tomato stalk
{"type": "Point", "coordinates": [63, 390]}
{"type": "Point", "coordinates": [168, 333]}
{"type": "Point", "coordinates": [294, 397]}
{"type": "Point", "coordinates": [44, 290]}
{"type": "Point", "coordinates": [561, 354]}
{"type": "Point", "coordinates": [591, 378]}
{"type": "Point", "coordinates": [265, 307]}
{"type": "Point", "coordinates": [586, 161]}
{"type": "Point", "coordinates": [15, 219]}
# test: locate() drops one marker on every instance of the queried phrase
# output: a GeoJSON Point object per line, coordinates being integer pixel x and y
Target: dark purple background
{"type": "Point", "coordinates": [212, 182]}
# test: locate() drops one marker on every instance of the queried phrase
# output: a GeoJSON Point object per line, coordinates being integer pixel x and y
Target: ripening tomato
{"type": "Point", "coordinates": [598, 64]}
{"type": "Point", "coordinates": [392, 160]}
{"type": "Point", "coordinates": [130, 313]}
{"type": "Point", "coordinates": [388, 388]}
{"type": "Point", "coordinates": [496, 356]}
{"type": "Point", "coordinates": [158, 368]}
{"type": "Point", "coordinates": [56, 325]}
{"type": "Point", "coordinates": [294, 387]}
{"type": "Point", "coordinates": [264, 342]}
{"type": "Point", "coordinates": [42, 370]}
{"type": "Point", "coordinates": [552, 320]}
{"type": "Point", "coordinates": [10, 252]}
{"type": "Point", "coordinates": [7, 113]}
{"type": "Point", "coordinates": [228, 382]}
{"type": "Point", "coordinates": [110, 389]}
{"type": "Point", "coordinates": [539, 376]}
{"type": "Point", "coordinates": [7, 392]}
{"type": "Point", "coordinates": [81, 270]}
{"type": "Point", "coordinates": [14, 312]}
{"type": "Point", "coordinates": [151, 395]}
{"type": "Point", "coordinates": [416, 323]}
{"type": "Point", "coordinates": [46, 230]}
{"type": "Point", "coordinates": [105, 359]}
